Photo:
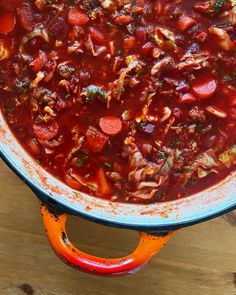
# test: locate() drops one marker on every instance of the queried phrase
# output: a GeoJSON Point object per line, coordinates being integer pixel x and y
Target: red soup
{"type": "Point", "coordinates": [132, 101]}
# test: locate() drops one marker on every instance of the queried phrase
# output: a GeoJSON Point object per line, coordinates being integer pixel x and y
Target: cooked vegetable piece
{"type": "Point", "coordinates": [185, 22]}
{"type": "Point", "coordinates": [110, 125]}
{"type": "Point", "coordinates": [228, 158]}
{"type": "Point", "coordinates": [93, 91]}
{"type": "Point", "coordinates": [95, 139]}
{"type": "Point", "coordinates": [103, 185]}
{"type": "Point", "coordinates": [216, 112]}
{"type": "Point", "coordinates": [26, 17]}
{"type": "Point", "coordinates": [72, 182]}
{"type": "Point", "coordinates": [77, 17]}
{"type": "Point", "coordinates": [7, 22]}
{"type": "Point", "coordinates": [123, 19]}
{"type": "Point", "coordinates": [46, 131]}
{"type": "Point", "coordinates": [187, 98]}
{"type": "Point", "coordinates": [97, 35]}
{"type": "Point", "coordinates": [204, 88]}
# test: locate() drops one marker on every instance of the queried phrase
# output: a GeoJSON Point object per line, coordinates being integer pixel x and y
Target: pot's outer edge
{"type": "Point", "coordinates": [202, 206]}
{"type": "Point", "coordinates": [44, 197]}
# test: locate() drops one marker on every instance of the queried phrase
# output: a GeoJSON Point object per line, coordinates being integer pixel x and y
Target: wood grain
{"type": "Point", "coordinates": [200, 260]}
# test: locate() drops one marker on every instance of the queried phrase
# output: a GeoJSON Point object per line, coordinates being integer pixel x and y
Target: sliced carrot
{"type": "Point", "coordinates": [7, 23]}
{"type": "Point", "coordinates": [185, 22]}
{"type": "Point", "coordinates": [103, 186]}
{"type": "Point", "coordinates": [110, 125]}
{"type": "Point", "coordinates": [77, 16]}
{"type": "Point", "coordinates": [204, 88]}
{"type": "Point", "coordinates": [46, 131]}
{"type": "Point", "coordinates": [96, 140]}
{"type": "Point", "coordinates": [71, 182]}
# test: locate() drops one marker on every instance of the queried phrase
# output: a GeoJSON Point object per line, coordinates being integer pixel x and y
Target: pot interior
{"type": "Point", "coordinates": [204, 205]}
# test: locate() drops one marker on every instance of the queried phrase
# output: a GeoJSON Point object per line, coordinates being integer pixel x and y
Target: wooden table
{"type": "Point", "coordinates": [199, 260]}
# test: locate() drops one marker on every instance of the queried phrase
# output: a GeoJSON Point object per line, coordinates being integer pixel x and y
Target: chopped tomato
{"type": "Point", "coordinates": [96, 140]}
{"type": "Point", "coordinates": [77, 16]}
{"type": "Point", "coordinates": [46, 131]}
{"type": "Point", "coordinates": [130, 42]}
{"type": "Point", "coordinates": [141, 34]}
{"type": "Point", "coordinates": [7, 23]}
{"type": "Point", "coordinates": [204, 88]}
{"type": "Point", "coordinates": [97, 35]}
{"type": "Point", "coordinates": [110, 125]}
{"type": "Point", "coordinates": [103, 186]}
{"type": "Point", "coordinates": [201, 37]}
{"type": "Point", "coordinates": [37, 64]}
{"type": "Point", "coordinates": [185, 22]}
{"type": "Point", "coordinates": [147, 48]}
{"type": "Point", "coordinates": [123, 19]}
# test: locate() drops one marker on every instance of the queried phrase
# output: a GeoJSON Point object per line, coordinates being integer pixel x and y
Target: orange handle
{"type": "Point", "coordinates": [149, 245]}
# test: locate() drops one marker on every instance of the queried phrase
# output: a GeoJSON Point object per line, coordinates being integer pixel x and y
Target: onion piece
{"type": "Point", "coordinates": [143, 194]}
{"type": "Point", "coordinates": [37, 32]}
{"type": "Point", "coordinates": [144, 184]}
{"type": "Point", "coordinates": [166, 114]}
{"type": "Point", "coordinates": [40, 76]}
{"type": "Point", "coordinates": [4, 53]}
{"type": "Point", "coordinates": [223, 39]}
{"type": "Point", "coordinates": [216, 112]}
{"type": "Point", "coordinates": [90, 184]}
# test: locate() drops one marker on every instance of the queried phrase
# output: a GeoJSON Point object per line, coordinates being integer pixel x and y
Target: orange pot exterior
{"type": "Point", "coordinates": [149, 244]}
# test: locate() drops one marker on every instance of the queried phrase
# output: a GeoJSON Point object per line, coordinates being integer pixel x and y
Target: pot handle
{"type": "Point", "coordinates": [149, 244]}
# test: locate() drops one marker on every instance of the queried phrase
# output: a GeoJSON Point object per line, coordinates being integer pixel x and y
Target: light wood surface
{"type": "Point", "coordinates": [200, 260]}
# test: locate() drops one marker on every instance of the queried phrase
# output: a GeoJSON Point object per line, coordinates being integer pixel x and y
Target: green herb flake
{"type": "Point", "coordinates": [91, 132]}
{"type": "Point", "coordinates": [143, 124]}
{"type": "Point", "coordinates": [50, 33]}
{"type": "Point", "coordinates": [67, 96]}
{"type": "Point", "coordinates": [229, 77]}
{"type": "Point", "coordinates": [162, 155]}
{"type": "Point", "coordinates": [21, 86]}
{"type": "Point", "coordinates": [9, 110]}
{"type": "Point", "coordinates": [81, 159]}
{"type": "Point", "coordinates": [92, 91]}
{"type": "Point", "coordinates": [111, 25]}
{"type": "Point", "coordinates": [108, 164]}
{"type": "Point", "coordinates": [132, 125]}
{"type": "Point", "coordinates": [219, 4]}
{"type": "Point", "coordinates": [120, 91]}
